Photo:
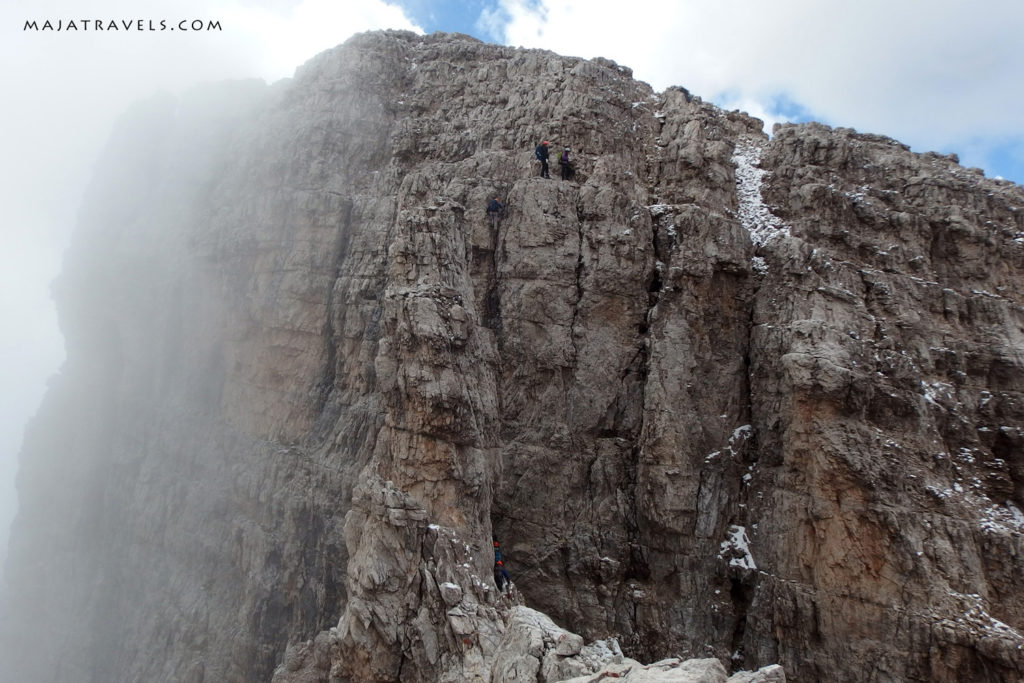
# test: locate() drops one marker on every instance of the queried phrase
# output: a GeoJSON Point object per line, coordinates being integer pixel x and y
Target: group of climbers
{"type": "Point", "coordinates": [495, 208]}
{"type": "Point", "coordinates": [542, 155]}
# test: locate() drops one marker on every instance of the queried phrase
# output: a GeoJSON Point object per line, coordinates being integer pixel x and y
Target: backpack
{"type": "Point", "coordinates": [537, 153]}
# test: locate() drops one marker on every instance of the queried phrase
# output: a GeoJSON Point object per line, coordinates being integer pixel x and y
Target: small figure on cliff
{"type": "Point", "coordinates": [501, 577]}
{"type": "Point", "coordinates": [494, 208]}
{"type": "Point", "coordinates": [567, 169]}
{"type": "Point", "coordinates": [542, 156]}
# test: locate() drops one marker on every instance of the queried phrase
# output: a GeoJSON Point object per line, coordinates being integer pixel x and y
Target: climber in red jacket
{"type": "Point", "coordinates": [501, 577]}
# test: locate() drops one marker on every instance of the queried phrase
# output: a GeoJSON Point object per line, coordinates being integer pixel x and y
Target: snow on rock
{"type": "Point", "coordinates": [998, 519]}
{"type": "Point", "coordinates": [740, 434]}
{"type": "Point", "coordinates": [936, 392]}
{"type": "Point", "coordinates": [754, 215]}
{"type": "Point", "coordinates": [736, 549]}
{"type": "Point", "coordinates": [975, 619]}
{"type": "Point", "coordinates": [451, 593]}
{"type": "Point", "coordinates": [739, 437]}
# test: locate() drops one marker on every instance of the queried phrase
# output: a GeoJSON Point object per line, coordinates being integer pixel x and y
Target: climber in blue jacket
{"type": "Point", "coordinates": [494, 208]}
{"type": "Point", "coordinates": [501, 577]}
{"type": "Point", "coordinates": [542, 156]}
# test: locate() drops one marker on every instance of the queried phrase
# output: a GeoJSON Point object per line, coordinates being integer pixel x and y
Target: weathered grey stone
{"type": "Point", "coordinates": [767, 674]}
{"type": "Point", "coordinates": [451, 594]}
{"type": "Point", "coordinates": [568, 644]}
{"type": "Point", "coordinates": [706, 670]}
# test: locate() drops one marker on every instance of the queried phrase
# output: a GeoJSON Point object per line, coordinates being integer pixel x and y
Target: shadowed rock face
{"type": "Point", "coordinates": [717, 396]}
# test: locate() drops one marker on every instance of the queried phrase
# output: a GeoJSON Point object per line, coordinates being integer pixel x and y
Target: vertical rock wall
{"type": "Point", "coordinates": [717, 396]}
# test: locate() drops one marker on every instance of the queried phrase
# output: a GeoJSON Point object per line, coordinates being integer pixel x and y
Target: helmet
{"type": "Point", "coordinates": [545, 143]}
{"type": "Point", "coordinates": [499, 563]}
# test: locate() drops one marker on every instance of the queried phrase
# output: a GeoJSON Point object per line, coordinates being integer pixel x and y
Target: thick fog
{"type": "Point", "coordinates": [64, 87]}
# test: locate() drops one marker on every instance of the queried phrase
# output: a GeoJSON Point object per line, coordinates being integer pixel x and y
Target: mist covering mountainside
{"type": "Point", "coordinates": [718, 396]}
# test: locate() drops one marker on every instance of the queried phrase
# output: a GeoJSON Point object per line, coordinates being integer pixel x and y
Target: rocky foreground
{"type": "Point", "coordinates": [746, 400]}
{"type": "Point", "coordinates": [532, 648]}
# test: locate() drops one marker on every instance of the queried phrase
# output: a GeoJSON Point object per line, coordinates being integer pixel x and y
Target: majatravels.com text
{"type": "Point", "coordinates": [121, 25]}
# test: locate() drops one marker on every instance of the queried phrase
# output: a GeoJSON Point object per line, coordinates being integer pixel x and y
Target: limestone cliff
{"type": "Point", "coordinates": [720, 395]}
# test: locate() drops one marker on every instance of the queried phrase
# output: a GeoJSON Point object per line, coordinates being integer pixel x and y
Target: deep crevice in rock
{"type": "Point", "coordinates": [580, 221]}
{"type": "Point", "coordinates": [325, 387]}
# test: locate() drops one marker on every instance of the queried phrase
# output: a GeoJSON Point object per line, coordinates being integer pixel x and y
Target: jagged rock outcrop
{"type": "Point", "coordinates": [531, 648]}
{"type": "Point", "coordinates": [720, 396]}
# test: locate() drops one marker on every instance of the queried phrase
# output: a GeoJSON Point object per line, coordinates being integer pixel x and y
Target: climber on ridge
{"type": "Point", "coordinates": [501, 577]}
{"type": "Point", "coordinates": [494, 208]}
{"type": "Point", "coordinates": [567, 169]}
{"type": "Point", "coordinates": [542, 156]}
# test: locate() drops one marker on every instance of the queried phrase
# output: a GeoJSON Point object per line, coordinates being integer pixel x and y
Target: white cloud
{"type": "Point", "coordinates": [926, 72]}
{"type": "Point", "coordinates": [280, 40]}
{"type": "Point", "coordinates": [491, 23]}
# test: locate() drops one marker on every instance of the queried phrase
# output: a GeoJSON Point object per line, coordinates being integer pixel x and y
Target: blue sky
{"type": "Point", "coordinates": [450, 16]}
{"type": "Point", "coordinates": [942, 76]}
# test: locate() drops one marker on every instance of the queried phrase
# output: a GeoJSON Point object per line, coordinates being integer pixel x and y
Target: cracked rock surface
{"type": "Point", "coordinates": [722, 398]}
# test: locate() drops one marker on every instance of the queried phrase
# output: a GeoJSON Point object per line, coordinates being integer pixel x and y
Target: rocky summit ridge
{"type": "Point", "coordinates": [728, 401]}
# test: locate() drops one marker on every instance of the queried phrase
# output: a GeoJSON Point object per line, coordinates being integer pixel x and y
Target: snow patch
{"type": "Point", "coordinates": [740, 435]}
{"type": "Point", "coordinates": [1002, 519]}
{"type": "Point", "coordinates": [754, 215]}
{"type": "Point", "coordinates": [737, 548]}
{"type": "Point", "coordinates": [938, 492]}
{"type": "Point", "coordinates": [743, 432]}
{"type": "Point", "coordinates": [936, 390]}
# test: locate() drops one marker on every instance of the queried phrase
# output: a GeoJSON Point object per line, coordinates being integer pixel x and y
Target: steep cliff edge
{"type": "Point", "coordinates": [719, 395]}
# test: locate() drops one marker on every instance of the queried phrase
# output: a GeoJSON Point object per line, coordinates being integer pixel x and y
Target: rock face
{"type": "Point", "coordinates": [718, 396]}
